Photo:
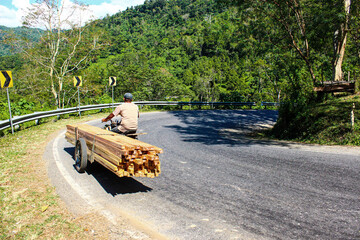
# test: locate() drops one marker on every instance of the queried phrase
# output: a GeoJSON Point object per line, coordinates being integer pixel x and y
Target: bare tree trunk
{"type": "Point", "coordinates": [301, 47]}
{"type": "Point", "coordinates": [53, 90]}
{"type": "Point", "coordinates": [279, 96]}
{"type": "Point", "coordinates": [59, 47]}
{"type": "Point", "coordinates": [340, 37]}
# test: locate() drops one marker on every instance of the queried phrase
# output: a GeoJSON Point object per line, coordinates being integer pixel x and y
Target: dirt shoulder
{"type": "Point", "coordinates": [251, 134]}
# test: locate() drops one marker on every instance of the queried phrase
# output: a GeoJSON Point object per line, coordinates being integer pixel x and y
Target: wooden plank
{"type": "Point", "coordinates": [114, 138]}
{"type": "Point", "coordinates": [105, 163]}
{"type": "Point", "coordinates": [336, 87]}
{"type": "Point", "coordinates": [122, 155]}
{"type": "Point", "coordinates": [91, 132]}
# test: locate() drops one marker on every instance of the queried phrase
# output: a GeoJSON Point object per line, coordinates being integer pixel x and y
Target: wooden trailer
{"type": "Point", "coordinates": [124, 156]}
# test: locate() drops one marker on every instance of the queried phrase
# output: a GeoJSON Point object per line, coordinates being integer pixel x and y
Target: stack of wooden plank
{"type": "Point", "coordinates": [122, 155]}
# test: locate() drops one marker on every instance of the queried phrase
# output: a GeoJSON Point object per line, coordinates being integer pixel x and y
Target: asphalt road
{"type": "Point", "coordinates": [217, 184]}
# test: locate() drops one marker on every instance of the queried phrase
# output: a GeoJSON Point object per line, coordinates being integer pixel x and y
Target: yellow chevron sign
{"type": "Point", "coordinates": [112, 81]}
{"type": "Point", "coordinates": [77, 81]}
{"type": "Point", "coordinates": [6, 79]}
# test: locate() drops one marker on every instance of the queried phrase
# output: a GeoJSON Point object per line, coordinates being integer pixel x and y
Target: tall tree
{"type": "Point", "coordinates": [340, 39]}
{"type": "Point", "coordinates": [296, 17]}
{"type": "Point", "coordinates": [289, 15]}
{"type": "Point", "coordinates": [66, 44]}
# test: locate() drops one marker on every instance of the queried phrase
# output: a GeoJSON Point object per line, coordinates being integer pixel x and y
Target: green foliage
{"type": "Point", "coordinates": [22, 107]}
{"type": "Point", "coordinates": [13, 62]}
{"type": "Point", "coordinates": [200, 50]}
{"type": "Point", "coordinates": [328, 122]}
{"type": "Point", "coordinates": [6, 34]}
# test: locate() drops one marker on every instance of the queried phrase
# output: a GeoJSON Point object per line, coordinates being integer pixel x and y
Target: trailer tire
{"type": "Point", "coordinates": [80, 156]}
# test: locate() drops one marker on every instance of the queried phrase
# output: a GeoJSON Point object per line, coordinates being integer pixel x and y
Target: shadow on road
{"type": "Point", "coordinates": [111, 183]}
{"type": "Point", "coordinates": [207, 126]}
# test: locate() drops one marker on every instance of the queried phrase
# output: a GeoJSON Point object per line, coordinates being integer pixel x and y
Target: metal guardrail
{"type": "Point", "coordinates": [168, 103]}
{"type": "Point", "coordinates": [16, 120]}
{"type": "Point", "coordinates": [38, 115]}
{"type": "Point", "coordinates": [270, 104]}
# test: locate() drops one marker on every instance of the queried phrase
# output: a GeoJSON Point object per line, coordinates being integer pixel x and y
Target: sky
{"type": "Point", "coordinates": [12, 11]}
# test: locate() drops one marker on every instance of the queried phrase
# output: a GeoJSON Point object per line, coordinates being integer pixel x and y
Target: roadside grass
{"type": "Point", "coordinates": [328, 122]}
{"type": "Point", "coordinates": [30, 207]}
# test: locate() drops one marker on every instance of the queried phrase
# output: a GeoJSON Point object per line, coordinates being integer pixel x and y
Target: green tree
{"type": "Point", "coordinates": [65, 46]}
{"type": "Point", "coordinates": [306, 23]}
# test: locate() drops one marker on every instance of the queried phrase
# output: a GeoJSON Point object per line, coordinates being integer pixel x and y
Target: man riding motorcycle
{"type": "Point", "coordinates": [129, 113]}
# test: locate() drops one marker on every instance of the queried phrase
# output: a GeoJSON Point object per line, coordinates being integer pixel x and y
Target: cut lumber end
{"type": "Point", "coordinates": [124, 156]}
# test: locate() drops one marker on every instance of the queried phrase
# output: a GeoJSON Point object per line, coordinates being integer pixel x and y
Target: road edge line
{"type": "Point", "coordinates": [76, 187]}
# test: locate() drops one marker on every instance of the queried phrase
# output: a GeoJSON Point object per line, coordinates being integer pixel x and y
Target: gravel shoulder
{"type": "Point", "coordinates": [248, 133]}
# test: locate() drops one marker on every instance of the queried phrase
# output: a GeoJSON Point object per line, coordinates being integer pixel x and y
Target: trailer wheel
{"type": "Point", "coordinates": [80, 156]}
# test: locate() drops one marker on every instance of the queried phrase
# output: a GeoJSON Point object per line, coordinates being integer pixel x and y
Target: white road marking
{"type": "Point", "coordinates": [88, 199]}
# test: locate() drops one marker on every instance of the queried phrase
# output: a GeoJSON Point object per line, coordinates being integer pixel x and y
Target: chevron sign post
{"type": "Point", "coordinates": [112, 83]}
{"type": "Point", "coordinates": [77, 81]}
{"type": "Point", "coordinates": [7, 82]}
{"type": "Point", "coordinates": [78, 84]}
{"type": "Point", "coordinates": [6, 79]}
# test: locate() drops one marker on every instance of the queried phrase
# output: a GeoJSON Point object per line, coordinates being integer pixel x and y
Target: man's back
{"type": "Point", "coordinates": [129, 113]}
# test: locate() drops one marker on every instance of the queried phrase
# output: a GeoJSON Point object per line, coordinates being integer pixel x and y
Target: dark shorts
{"type": "Point", "coordinates": [116, 130]}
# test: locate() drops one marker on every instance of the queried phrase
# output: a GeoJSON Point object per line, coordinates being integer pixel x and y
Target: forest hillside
{"type": "Point", "coordinates": [198, 50]}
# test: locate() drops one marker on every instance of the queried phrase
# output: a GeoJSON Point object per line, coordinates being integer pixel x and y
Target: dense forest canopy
{"type": "Point", "coordinates": [5, 33]}
{"type": "Point", "coordinates": [200, 50]}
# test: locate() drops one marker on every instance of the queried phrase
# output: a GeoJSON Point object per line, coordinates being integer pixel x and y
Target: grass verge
{"type": "Point", "coordinates": [328, 122]}
{"type": "Point", "coordinates": [30, 207]}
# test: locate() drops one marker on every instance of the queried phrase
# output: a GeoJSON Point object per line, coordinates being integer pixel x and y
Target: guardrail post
{"type": "Point", "coordinates": [79, 101]}
{"type": "Point", "coordinates": [11, 122]}
{"type": "Point", "coordinates": [352, 117]}
{"type": "Point", "coordinates": [263, 105]}
{"type": "Point", "coordinates": [112, 96]}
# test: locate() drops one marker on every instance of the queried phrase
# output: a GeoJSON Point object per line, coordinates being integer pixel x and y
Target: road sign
{"type": "Point", "coordinates": [112, 81]}
{"type": "Point", "coordinates": [77, 81]}
{"type": "Point", "coordinates": [6, 79]}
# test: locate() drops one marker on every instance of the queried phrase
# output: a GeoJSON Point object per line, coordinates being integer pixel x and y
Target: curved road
{"type": "Point", "coordinates": [217, 184]}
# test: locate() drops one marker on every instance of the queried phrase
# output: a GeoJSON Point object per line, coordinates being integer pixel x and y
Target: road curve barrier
{"type": "Point", "coordinates": [45, 114]}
